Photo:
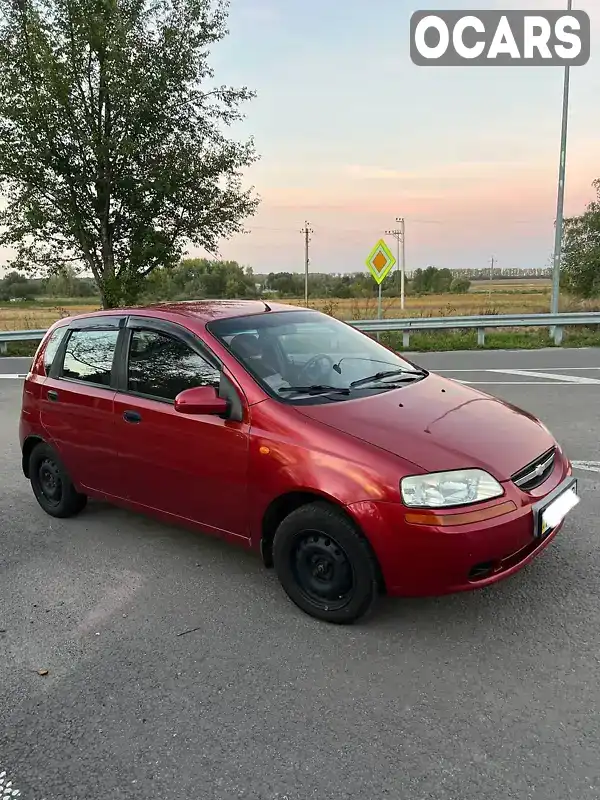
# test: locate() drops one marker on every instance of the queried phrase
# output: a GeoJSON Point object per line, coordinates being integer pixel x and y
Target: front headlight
{"type": "Point", "coordinates": [444, 489]}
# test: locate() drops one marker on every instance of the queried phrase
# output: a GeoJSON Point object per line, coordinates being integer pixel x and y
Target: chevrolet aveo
{"type": "Point", "coordinates": [353, 471]}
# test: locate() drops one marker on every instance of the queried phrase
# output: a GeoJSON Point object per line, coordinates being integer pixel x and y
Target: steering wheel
{"type": "Point", "coordinates": [311, 364]}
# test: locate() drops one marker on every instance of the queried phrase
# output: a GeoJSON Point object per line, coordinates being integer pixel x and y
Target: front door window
{"type": "Point", "coordinates": [161, 367]}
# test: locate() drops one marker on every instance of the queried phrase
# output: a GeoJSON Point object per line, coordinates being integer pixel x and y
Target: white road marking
{"type": "Point", "coordinates": [552, 378]}
{"type": "Point", "coordinates": [527, 373]}
{"type": "Point", "coordinates": [515, 383]}
{"type": "Point", "coordinates": [588, 466]}
{"type": "Point", "coordinates": [7, 790]}
{"type": "Point", "coordinates": [533, 369]}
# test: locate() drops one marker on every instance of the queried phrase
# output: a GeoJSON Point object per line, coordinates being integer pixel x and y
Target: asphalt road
{"type": "Point", "coordinates": [480, 696]}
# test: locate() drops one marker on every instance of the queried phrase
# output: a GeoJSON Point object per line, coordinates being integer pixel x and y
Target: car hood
{"type": "Point", "coordinates": [440, 424]}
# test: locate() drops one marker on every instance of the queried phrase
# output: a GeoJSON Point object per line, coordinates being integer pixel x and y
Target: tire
{"type": "Point", "coordinates": [324, 565]}
{"type": "Point", "coordinates": [51, 484]}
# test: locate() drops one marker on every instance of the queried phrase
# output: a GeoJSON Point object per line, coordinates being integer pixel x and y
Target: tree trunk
{"type": "Point", "coordinates": [110, 295]}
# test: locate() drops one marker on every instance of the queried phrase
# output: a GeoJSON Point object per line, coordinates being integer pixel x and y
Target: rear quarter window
{"type": "Point", "coordinates": [51, 348]}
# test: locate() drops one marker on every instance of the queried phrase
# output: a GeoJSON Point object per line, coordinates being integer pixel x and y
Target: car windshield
{"type": "Point", "coordinates": [310, 357]}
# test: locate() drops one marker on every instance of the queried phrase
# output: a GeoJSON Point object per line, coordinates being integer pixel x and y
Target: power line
{"type": "Point", "coordinates": [334, 229]}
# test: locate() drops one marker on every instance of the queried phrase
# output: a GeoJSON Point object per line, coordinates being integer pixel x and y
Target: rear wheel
{"type": "Point", "coordinates": [52, 485]}
{"type": "Point", "coordinates": [324, 565]}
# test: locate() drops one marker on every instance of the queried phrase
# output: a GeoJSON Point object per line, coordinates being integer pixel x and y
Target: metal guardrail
{"type": "Point", "coordinates": [557, 322]}
{"type": "Point", "coordinates": [23, 336]}
{"type": "Point", "coordinates": [20, 336]}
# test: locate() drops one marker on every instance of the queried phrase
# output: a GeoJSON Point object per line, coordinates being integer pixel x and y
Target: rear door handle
{"type": "Point", "coordinates": [132, 416]}
{"type": "Point", "coordinates": [52, 395]}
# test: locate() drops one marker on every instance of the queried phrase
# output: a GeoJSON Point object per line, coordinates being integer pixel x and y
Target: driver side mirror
{"type": "Point", "coordinates": [201, 400]}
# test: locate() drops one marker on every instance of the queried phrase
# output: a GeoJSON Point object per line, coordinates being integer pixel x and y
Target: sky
{"type": "Point", "coordinates": [352, 135]}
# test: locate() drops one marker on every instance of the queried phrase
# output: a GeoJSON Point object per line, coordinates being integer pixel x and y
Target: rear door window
{"type": "Point", "coordinates": [89, 356]}
{"type": "Point", "coordinates": [162, 366]}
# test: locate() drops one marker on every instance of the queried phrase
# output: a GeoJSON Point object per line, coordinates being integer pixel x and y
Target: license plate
{"type": "Point", "coordinates": [557, 509]}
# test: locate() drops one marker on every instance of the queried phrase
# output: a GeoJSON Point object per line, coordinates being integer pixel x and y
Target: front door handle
{"type": "Point", "coordinates": [132, 416]}
{"type": "Point", "coordinates": [52, 395]}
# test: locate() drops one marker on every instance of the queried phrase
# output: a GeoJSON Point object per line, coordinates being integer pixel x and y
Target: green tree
{"type": "Point", "coordinates": [430, 279]}
{"type": "Point", "coordinates": [63, 283]}
{"type": "Point", "coordinates": [113, 154]}
{"type": "Point", "coordinates": [287, 284]}
{"type": "Point", "coordinates": [581, 250]}
{"type": "Point", "coordinates": [16, 286]}
{"type": "Point", "coordinates": [418, 282]}
{"type": "Point", "coordinates": [442, 281]}
{"type": "Point", "coordinates": [197, 278]}
{"type": "Point", "coordinates": [460, 285]}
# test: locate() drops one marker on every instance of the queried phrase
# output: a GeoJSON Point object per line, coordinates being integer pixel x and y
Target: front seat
{"type": "Point", "coordinates": [248, 348]}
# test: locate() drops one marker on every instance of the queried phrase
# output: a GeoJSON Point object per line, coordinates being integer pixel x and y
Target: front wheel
{"type": "Point", "coordinates": [324, 565]}
{"type": "Point", "coordinates": [52, 485]}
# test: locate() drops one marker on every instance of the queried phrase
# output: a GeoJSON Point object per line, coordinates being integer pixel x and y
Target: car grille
{"type": "Point", "coordinates": [535, 473]}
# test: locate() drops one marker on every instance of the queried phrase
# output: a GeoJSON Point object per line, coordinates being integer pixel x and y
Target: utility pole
{"type": "Point", "coordinates": [403, 267]}
{"type": "Point", "coordinates": [398, 234]}
{"type": "Point", "coordinates": [492, 261]}
{"type": "Point", "coordinates": [306, 230]}
{"type": "Point", "coordinates": [560, 200]}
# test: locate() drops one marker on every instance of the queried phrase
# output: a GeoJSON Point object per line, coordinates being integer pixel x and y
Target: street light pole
{"type": "Point", "coordinates": [560, 200]}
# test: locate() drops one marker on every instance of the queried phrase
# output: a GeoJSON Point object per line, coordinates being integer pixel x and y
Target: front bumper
{"type": "Point", "coordinates": [424, 560]}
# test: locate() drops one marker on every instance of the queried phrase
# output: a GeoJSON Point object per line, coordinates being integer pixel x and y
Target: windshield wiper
{"type": "Point", "coordinates": [314, 388]}
{"type": "Point", "coordinates": [338, 368]}
{"type": "Point", "coordinates": [386, 374]}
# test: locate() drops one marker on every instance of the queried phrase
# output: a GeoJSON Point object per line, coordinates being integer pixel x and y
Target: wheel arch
{"type": "Point", "coordinates": [28, 446]}
{"type": "Point", "coordinates": [283, 505]}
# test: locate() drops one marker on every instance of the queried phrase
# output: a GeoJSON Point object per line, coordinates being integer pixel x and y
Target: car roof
{"type": "Point", "coordinates": [209, 310]}
{"type": "Point", "coordinates": [202, 311]}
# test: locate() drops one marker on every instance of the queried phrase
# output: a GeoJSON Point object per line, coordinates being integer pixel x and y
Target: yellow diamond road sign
{"type": "Point", "coordinates": [380, 261]}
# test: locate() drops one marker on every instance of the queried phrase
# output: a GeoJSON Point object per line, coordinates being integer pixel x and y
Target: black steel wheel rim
{"type": "Point", "coordinates": [50, 481]}
{"type": "Point", "coordinates": [322, 570]}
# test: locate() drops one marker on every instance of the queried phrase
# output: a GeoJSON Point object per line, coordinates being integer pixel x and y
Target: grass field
{"type": "Point", "coordinates": [15, 317]}
{"type": "Point", "coordinates": [484, 297]}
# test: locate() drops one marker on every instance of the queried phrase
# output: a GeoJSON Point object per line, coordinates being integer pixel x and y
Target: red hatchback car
{"type": "Point", "coordinates": [353, 471]}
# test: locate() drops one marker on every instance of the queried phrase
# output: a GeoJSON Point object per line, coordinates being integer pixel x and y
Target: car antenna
{"type": "Point", "coordinates": [267, 306]}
